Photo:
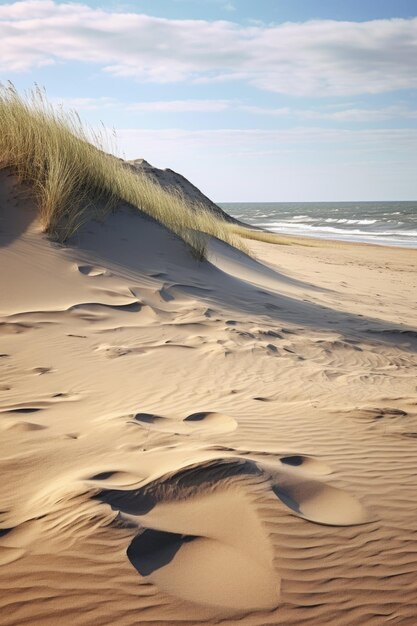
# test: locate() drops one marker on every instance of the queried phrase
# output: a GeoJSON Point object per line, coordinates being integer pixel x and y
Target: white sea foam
{"type": "Point", "coordinates": [372, 222]}
{"type": "Point", "coordinates": [346, 221]}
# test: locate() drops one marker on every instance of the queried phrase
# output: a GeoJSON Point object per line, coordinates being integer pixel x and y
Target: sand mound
{"type": "Point", "coordinates": [321, 503]}
{"type": "Point", "coordinates": [206, 569]}
{"type": "Point", "coordinates": [190, 547]}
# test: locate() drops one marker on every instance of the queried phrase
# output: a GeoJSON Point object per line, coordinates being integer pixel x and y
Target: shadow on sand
{"type": "Point", "coordinates": [138, 246]}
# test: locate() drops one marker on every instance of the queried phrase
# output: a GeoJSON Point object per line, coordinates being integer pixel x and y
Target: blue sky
{"type": "Point", "coordinates": [273, 100]}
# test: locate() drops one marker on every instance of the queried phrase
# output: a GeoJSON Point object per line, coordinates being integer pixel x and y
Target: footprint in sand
{"type": "Point", "coordinates": [38, 405]}
{"type": "Point", "coordinates": [116, 477]}
{"type": "Point", "coordinates": [306, 463]}
{"type": "Point", "coordinates": [23, 409]}
{"type": "Point", "coordinates": [41, 370]}
{"type": "Point", "coordinates": [91, 270]}
{"type": "Point", "coordinates": [205, 422]}
{"type": "Point", "coordinates": [188, 545]}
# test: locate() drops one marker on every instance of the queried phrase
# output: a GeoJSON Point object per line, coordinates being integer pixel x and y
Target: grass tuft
{"type": "Point", "coordinates": [73, 179]}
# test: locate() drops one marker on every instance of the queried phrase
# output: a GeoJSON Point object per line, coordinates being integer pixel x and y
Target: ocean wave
{"type": "Point", "coordinates": [347, 221]}
{"type": "Point", "coordinates": [276, 226]}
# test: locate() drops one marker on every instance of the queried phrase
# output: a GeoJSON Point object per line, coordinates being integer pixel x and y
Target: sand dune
{"type": "Point", "coordinates": [218, 442]}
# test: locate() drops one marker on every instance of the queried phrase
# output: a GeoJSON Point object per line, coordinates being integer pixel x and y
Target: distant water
{"type": "Point", "coordinates": [386, 223]}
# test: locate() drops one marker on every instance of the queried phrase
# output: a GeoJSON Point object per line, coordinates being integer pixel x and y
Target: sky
{"type": "Point", "coordinates": [253, 101]}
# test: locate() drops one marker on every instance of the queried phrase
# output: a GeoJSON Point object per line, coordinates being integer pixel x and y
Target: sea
{"type": "Point", "coordinates": [383, 223]}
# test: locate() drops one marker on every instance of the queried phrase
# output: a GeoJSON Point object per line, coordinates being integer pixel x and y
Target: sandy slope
{"type": "Point", "coordinates": [217, 442]}
{"type": "Point", "coordinates": [172, 181]}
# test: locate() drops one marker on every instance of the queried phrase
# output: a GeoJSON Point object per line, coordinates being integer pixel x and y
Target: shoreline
{"type": "Point", "coordinates": [352, 241]}
{"type": "Point", "coordinates": [314, 240]}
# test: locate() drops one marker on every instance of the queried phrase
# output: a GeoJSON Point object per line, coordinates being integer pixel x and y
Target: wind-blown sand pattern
{"type": "Point", "coordinates": [185, 442]}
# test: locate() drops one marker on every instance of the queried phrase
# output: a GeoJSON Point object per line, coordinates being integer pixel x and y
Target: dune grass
{"type": "Point", "coordinates": [267, 236]}
{"type": "Point", "coordinates": [73, 179]}
{"type": "Point", "coordinates": [259, 235]}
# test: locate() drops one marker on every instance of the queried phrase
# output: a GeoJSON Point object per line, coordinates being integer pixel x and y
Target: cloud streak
{"type": "Point", "coordinates": [348, 115]}
{"type": "Point", "coordinates": [314, 58]}
{"type": "Point", "coordinates": [181, 106]}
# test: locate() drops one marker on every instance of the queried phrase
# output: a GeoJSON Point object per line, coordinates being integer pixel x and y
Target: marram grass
{"type": "Point", "coordinates": [74, 179]}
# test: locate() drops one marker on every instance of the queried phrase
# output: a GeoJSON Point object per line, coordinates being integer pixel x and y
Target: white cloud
{"type": "Point", "coordinates": [362, 115]}
{"type": "Point", "coordinates": [321, 57]}
{"type": "Point", "coordinates": [181, 106]}
{"type": "Point", "coordinates": [353, 114]}
{"type": "Point", "coordinates": [258, 110]}
{"type": "Point", "coordinates": [153, 106]}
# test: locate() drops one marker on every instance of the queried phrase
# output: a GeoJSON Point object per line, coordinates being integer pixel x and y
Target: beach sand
{"type": "Point", "coordinates": [227, 441]}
